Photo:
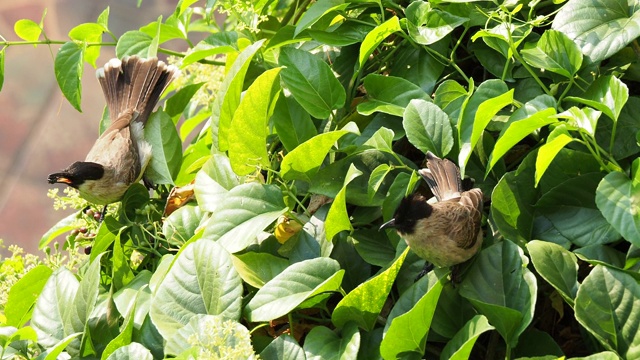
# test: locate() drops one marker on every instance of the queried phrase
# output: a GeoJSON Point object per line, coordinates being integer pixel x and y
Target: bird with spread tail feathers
{"type": "Point", "coordinates": [132, 87]}
{"type": "Point", "coordinates": [446, 232]}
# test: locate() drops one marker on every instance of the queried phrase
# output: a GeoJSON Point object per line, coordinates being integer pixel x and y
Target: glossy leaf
{"type": "Point", "coordinates": [27, 30]}
{"type": "Point", "coordinates": [133, 351]}
{"type": "Point", "coordinates": [555, 52]}
{"type": "Point", "coordinates": [291, 287]}
{"type": "Point", "coordinates": [460, 346]}
{"type": "Point", "coordinates": [248, 130]}
{"type": "Point", "coordinates": [284, 347]}
{"type": "Point", "coordinates": [213, 182]}
{"type": "Point", "coordinates": [134, 43]}
{"type": "Point", "coordinates": [23, 294]}
{"type": "Point", "coordinates": [63, 226]}
{"type": "Point", "coordinates": [427, 25]}
{"type": "Point", "coordinates": [616, 26]}
{"type": "Point", "coordinates": [316, 11]}
{"type": "Point", "coordinates": [363, 304]}
{"type": "Point", "coordinates": [617, 199]}
{"type": "Point", "coordinates": [376, 36]}
{"type": "Point", "coordinates": [181, 225]}
{"type": "Point", "coordinates": [257, 269]}
{"type": "Point", "coordinates": [389, 94]}
{"type": "Point", "coordinates": [243, 213]}
{"type": "Point", "coordinates": [214, 44]}
{"type": "Point", "coordinates": [311, 82]}
{"type": "Point", "coordinates": [292, 123]}
{"type": "Point", "coordinates": [68, 69]}
{"type": "Point", "coordinates": [607, 306]}
{"type": "Point", "coordinates": [428, 127]}
{"type": "Point", "coordinates": [322, 343]}
{"type": "Point", "coordinates": [607, 94]}
{"type": "Point", "coordinates": [558, 139]}
{"type": "Point", "coordinates": [204, 271]}
{"type": "Point", "coordinates": [166, 147]}
{"type": "Point", "coordinates": [337, 218]}
{"type": "Point", "coordinates": [558, 266]}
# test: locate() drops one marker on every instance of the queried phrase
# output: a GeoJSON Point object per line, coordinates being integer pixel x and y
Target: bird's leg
{"type": "Point", "coordinates": [102, 214]}
{"type": "Point", "coordinates": [427, 267]}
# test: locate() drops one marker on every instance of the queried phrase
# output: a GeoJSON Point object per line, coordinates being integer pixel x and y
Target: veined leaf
{"type": "Point", "coordinates": [376, 36]}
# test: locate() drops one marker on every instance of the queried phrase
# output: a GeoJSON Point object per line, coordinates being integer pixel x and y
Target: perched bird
{"type": "Point", "coordinates": [447, 232]}
{"type": "Point", "coordinates": [132, 87]}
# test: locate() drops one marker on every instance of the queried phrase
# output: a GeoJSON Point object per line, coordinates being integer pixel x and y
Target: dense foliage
{"type": "Point", "coordinates": [294, 131]}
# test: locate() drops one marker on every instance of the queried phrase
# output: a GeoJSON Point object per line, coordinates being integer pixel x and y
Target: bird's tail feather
{"type": "Point", "coordinates": [443, 177]}
{"type": "Point", "coordinates": [134, 84]}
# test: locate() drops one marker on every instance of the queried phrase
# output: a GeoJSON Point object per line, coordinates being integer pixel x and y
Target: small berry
{"type": "Point", "coordinates": [89, 212]}
{"type": "Point", "coordinates": [87, 250]}
{"type": "Point", "coordinates": [82, 230]}
{"type": "Point", "coordinates": [75, 232]}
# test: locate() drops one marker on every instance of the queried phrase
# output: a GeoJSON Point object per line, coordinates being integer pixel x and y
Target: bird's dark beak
{"type": "Point", "coordinates": [388, 225]}
{"type": "Point", "coordinates": [58, 178]}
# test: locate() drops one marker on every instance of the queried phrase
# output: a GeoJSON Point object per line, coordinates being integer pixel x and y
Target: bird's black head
{"type": "Point", "coordinates": [411, 209]}
{"type": "Point", "coordinates": [77, 173]}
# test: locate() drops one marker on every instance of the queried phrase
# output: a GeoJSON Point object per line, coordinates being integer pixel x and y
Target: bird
{"type": "Point", "coordinates": [445, 233]}
{"type": "Point", "coordinates": [132, 87]}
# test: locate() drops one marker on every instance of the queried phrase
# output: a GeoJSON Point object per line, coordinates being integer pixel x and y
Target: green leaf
{"type": "Point", "coordinates": [176, 104]}
{"type": "Point", "coordinates": [243, 213]}
{"type": "Point", "coordinates": [103, 19]}
{"type": "Point", "coordinates": [204, 271]}
{"type": "Point", "coordinates": [2, 55]}
{"type": "Point", "coordinates": [376, 178]}
{"type": "Point", "coordinates": [322, 343]}
{"type": "Point", "coordinates": [617, 199]}
{"type": "Point", "coordinates": [389, 94]}
{"type": "Point", "coordinates": [213, 182]}
{"type": "Point", "coordinates": [212, 334]}
{"type": "Point", "coordinates": [428, 127]}
{"type": "Point", "coordinates": [248, 131]}
{"type": "Point", "coordinates": [303, 162]}
{"type": "Point", "coordinates": [500, 287]}
{"type": "Point", "coordinates": [530, 117]}
{"type": "Point", "coordinates": [164, 33]}
{"type": "Point", "coordinates": [123, 339]}
{"type": "Point", "coordinates": [291, 287]}
{"type": "Point", "coordinates": [23, 294]}
{"type": "Point", "coordinates": [584, 118]}
{"type": "Point", "coordinates": [53, 305]}
{"type": "Point", "coordinates": [84, 302]}
{"type": "Point", "coordinates": [363, 304]}
{"type": "Point", "coordinates": [558, 266]}
{"type": "Point", "coordinates": [407, 333]}
{"type": "Point", "coordinates": [27, 30]}
{"type": "Point", "coordinates": [490, 97]}
{"type": "Point", "coordinates": [284, 347]}
{"type": "Point", "coordinates": [316, 11]}
{"type": "Point", "coordinates": [555, 52]}
{"type": "Point", "coordinates": [68, 69]}
{"type": "Point", "coordinates": [311, 82]}
{"type": "Point", "coordinates": [134, 43]}
{"type": "Point", "coordinates": [427, 25]}
{"type": "Point", "coordinates": [218, 43]}
{"type": "Point", "coordinates": [450, 96]}
{"type": "Point", "coordinates": [292, 123]}
{"type": "Point", "coordinates": [65, 225]}
{"type": "Point", "coordinates": [376, 36]}
{"type": "Point", "coordinates": [166, 146]}
{"type": "Point", "coordinates": [181, 225]}
{"type": "Point", "coordinates": [52, 352]}
{"type": "Point", "coordinates": [607, 306]}
{"type": "Point", "coordinates": [599, 37]}
{"type": "Point", "coordinates": [558, 139]}
{"type": "Point", "coordinates": [228, 96]}
{"type": "Point", "coordinates": [256, 269]}
{"type": "Point", "coordinates": [88, 33]}
{"type": "Point", "coordinates": [607, 94]}
{"type": "Point", "coordinates": [460, 346]}
{"type": "Point", "coordinates": [133, 351]}
{"type": "Point", "coordinates": [337, 218]}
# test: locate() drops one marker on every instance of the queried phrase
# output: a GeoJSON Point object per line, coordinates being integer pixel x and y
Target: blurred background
{"type": "Point", "coordinates": [40, 132]}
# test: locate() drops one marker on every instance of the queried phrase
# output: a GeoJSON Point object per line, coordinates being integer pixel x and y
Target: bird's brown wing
{"type": "Point", "coordinates": [443, 178]}
{"type": "Point", "coordinates": [461, 222]}
{"type": "Point", "coordinates": [473, 200]}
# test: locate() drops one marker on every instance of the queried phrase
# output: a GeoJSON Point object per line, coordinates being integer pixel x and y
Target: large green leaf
{"type": "Point", "coordinates": [337, 218]}
{"type": "Point", "coordinates": [133, 351]}
{"type": "Point", "coordinates": [209, 334]}
{"type": "Point", "coordinates": [500, 287]}
{"type": "Point", "coordinates": [256, 269]}
{"type": "Point", "coordinates": [607, 94]}
{"type": "Point", "coordinates": [555, 52]}
{"type": "Point", "coordinates": [599, 37]}
{"type": "Point", "coordinates": [311, 82]}
{"type": "Point", "coordinates": [27, 30]}
{"type": "Point", "coordinates": [407, 332]}
{"type": "Point", "coordinates": [607, 305]}
{"type": "Point", "coordinates": [291, 287]}
{"type": "Point", "coordinates": [214, 44]}
{"type": "Point", "coordinates": [617, 199]}
{"type": "Point", "coordinates": [181, 225]}
{"type": "Point", "coordinates": [459, 348]}
{"type": "Point", "coordinates": [248, 130]}
{"type": "Point", "coordinates": [243, 213]}
{"type": "Point", "coordinates": [63, 226]}
{"type": "Point", "coordinates": [52, 307]}
{"type": "Point", "coordinates": [389, 94]}
{"type": "Point", "coordinates": [322, 343]}
{"type": "Point", "coordinates": [23, 294]}
{"type": "Point", "coordinates": [363, 304]}
{"type": "Point", "coordinates": [134, 43]}
{"type": "Point", "coordinates": [304, 161]}
{"type": "Point", "coordinates": [284, 347]}
{"type": "Point", "coordinates": [490, 97]}
{"type": "Point", "coordinates": [428, 127]}
{"type": "Point", "coordinates": [558, 266]}
{"type": "Point", "coordinates": [213, 182]}
{"type": "Point", "coordinates": [202, 280]}
{"type": "Point", "coordinates": [292, 123]}
{"type": "Point", "coordinates": [427, 25]}
{"type": "Point", "coordinates": [376, 36]}
{"type": "Point", "coordinates": [316, 11]}
{"type": "Point", "coordinates": [228, 97]}
{"type": "Point", "coordinates": [166, 156]}
{"type": "Point", "coordinates": [68, 69]}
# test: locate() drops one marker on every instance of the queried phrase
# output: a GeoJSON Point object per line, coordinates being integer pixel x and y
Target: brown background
{"type": "Point", "coordinates": [40, 132]}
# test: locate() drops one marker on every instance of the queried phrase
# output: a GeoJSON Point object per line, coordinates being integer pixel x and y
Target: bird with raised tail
{"type": "Point", "coordinates": [446, 232]}
{"type": "Point", "coordinates": [132, 87]}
